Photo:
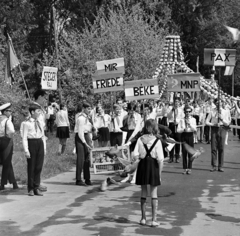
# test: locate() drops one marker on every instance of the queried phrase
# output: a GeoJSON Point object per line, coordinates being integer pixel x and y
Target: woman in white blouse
{"type": "Point", "coordinates": [187, 126]}
{"type": "Point", "coordinates": [62, 123]}
{"type": "Point", "coordinates": [102, 122]}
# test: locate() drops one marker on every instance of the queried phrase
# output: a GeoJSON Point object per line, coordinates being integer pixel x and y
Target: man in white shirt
{"type": "Point", "coordinates": [83, 142]}
{"type": "Point", "coordinates": [209, 107]}
{"type": "Point", "coordinates": [219, 122]}
{"type": "Point", "coordinates": [40, 97]}
{"type": "Point", "coordinates": [174, 117]}
{"type": "Point", "coordinates": [34, 145]}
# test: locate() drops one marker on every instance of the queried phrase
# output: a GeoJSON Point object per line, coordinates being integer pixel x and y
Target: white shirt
{"type": "Point", "coordinates": [62, 118]}
{"type": "Point", "coordinates": [156, 153]}
{"type": "Point", "coordinates": [32, 130]}
{"type": "Point", "coordinates": [183, 128]}
{"type": "Point", "coordinates": [83, 126]}
{"type": "Point", "coordinates": [177, 115]}
{"type": "Point", "coordinates": [116, 124]}
{"type": "Point", "coordinates": [50, 110]}
{"type": "Point", "coordinates": [212, 118]}
{"type": "Point", "coordinates": [9, 126]}
{"type": "Point", "coordinates": [102, 121]}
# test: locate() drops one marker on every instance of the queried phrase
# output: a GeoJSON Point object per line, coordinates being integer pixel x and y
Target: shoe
{"type": "Point", "coordinates": [213, 169]}
{"type": "Point", "coordinates": [88, 182]}
{"type": "Point", "coordinates": [189, 172]}
{"type": "Point", "coordinates": [154, 224]}
{"type": "Point", "coordinates": [2, 187]}
{"type": "Point", "coordinates": [111, 181]}
{"type": "Point", "coordinates": [80, 183]}
{"type": "Point", "coordinates": [31, 193]}
{"type": "Point", "coordinates": [184, 172]}
{"type": "Point", "coordinates": [177, 160]}
{"type": "Point", "coordinates": [220, 170]}
{"type": "Point", "coordinates": [15, 186]}
{"type": "Point", "coordinates": [37, 192]}
{"type": "Point", "coordinates": [170, 160]}
{"type": "Point", "coordinates": [143, 222]}
{"type": "Point", "coordinates": [42, 188]}
{"type": "Point", "coordinates": [125, 180]}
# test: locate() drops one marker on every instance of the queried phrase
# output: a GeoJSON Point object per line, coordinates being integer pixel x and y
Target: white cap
{"type": "Point", "coordinates": [5, 106]}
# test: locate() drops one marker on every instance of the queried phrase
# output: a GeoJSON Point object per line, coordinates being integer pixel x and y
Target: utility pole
{"type": "Point", "coordinates": [56, 50]}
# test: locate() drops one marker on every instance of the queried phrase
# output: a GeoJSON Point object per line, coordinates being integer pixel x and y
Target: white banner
{"type": "Point", "coordinates": [219, 57]}
{"type": "Point", "coordinates": [107, 83]}
{"type": "Point", "coordinates": [141, 89]}
{"type": "Point", "coordinates": [49, 78]}
{"type": "Point", "coordinates": [113, 66]}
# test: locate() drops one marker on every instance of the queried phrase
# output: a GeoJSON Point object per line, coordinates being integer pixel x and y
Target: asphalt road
{"type": "Point", "coordinates": [200, 204]}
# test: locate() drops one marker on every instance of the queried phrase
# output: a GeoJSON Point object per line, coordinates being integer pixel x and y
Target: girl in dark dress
{"type": "Point", "coordinates": [150, 152]}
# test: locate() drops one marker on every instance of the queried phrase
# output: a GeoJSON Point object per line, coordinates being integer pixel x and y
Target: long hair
{"type": "Point", "coordinates": [150, 127]}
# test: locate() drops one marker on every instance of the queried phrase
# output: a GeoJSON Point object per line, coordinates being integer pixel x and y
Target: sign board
{"type": "Point", "coordinates": [219, 57]}
{"type": "Point", "coordinates": [49, 78]}
{"type": "Point", "coordinates": [113, 66]}
{"type": "Point", "coordinates": [141, 89]}
{"type": "Point", "coordinates": [184, 82]}
{"type": "Point", "coordinates": [106, 83]}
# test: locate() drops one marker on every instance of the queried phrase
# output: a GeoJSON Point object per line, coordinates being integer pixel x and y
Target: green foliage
{"type": "Point", "coordinates": [128, 33]}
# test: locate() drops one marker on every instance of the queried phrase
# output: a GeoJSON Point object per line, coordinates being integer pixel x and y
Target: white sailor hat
{"type": "Point", "coordinates": [5, 106]}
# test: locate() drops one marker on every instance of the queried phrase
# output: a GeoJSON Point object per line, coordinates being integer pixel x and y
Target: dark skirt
{"type": "Point", "coordinates": [104, 134]}
{"type": "Point", "coordinates": [62, 132]}
{"type": "Point", "coordinates": [164, 121]}
{"type": "Point", "coordinates": [148, 172]}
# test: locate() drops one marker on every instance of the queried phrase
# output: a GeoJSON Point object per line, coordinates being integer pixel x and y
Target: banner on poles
{"type": "Point", "coordinates": [107, 83]}
{"type": "Point", "coordinates": [219, 57]}
{"type": "Point", "coordinates": [49, 78]}
{"type": "Point", "coordinates": [141, 89]}
{"type": "Point", "coordinates": [113, 66]}
{"type": "Point", "coordinates": [184, 82]}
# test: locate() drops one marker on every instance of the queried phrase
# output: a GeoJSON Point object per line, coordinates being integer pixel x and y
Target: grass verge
{"type": "Point", "coordinates": [53, 164]}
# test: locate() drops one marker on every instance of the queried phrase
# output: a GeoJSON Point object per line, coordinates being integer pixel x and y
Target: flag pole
{"type": "Point", "coordinates": [24, 81]}
{"type": "Point", "coordinates": [233, 82]}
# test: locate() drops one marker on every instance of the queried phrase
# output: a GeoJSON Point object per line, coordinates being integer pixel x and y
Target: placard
{"type": "Point", "coordinates": [106, 83]}
{"type": "Point", "coordinates": [219, 57]}
{"type": "Point", "coordinates": [113, 66]}
{"type": "Point", "coordinates": [49, 78]}
{"type": "Point", "coordinates": [184, 82]}
{"type": "Point", "coordinates": [141, 89]}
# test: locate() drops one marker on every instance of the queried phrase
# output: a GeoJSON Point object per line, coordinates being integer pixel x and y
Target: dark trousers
{"type": "Point", "coordinates": [35, 162]}
{"type": "Point", "coordinates": [207, 131]}
{"type": "Point", "coordinates": [132, 145]}
{"type": "Point", "coordinates": [50, 123]}
{"type": "Point", "coordinates": [176, 136]}
{"type": "Point", "coordinates": [83, 157]}
{"type": "Point", "coordinates": [238, 130]}
{"type": "Point", "coordinates": [188, 138]}
{"type": "Point", "coordinates": [234, 123]}
{"type": "Point", "coordinates": [6, 152]}
{"type": "Point", "coordinates": [218, 136]}
{"type": "Point", "coordinates": [116, 138]}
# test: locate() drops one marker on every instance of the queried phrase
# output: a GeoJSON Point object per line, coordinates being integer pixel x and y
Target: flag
{"type": "Point", "coordinates": [229, 70]}
{"type": "Point", "coordinates": [235, 32]}
{"type": "Point", "coordinates": [11, 62]}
